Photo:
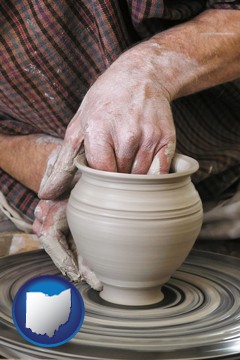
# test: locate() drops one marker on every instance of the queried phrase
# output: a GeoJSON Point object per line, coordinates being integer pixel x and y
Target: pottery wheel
{"type": "Point", "coordinates": [199, 317]}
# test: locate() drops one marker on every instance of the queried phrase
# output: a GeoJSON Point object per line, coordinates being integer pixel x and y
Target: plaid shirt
{"type": "Point", "coordinates": [53, 51]}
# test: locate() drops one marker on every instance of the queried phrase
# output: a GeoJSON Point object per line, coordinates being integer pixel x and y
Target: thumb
{"type": "Point", "coordinates": [52, 229]}
{"type": "Point", "coordinates": [60, 169]}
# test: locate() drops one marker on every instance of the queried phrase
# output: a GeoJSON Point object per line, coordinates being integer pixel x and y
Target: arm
{"type": "Point", "coordinates": [199, 54]}
{"type": "Point", "coordinates": [25, 157]}
{"type": "Point", "coordinates": [125, 118]}
{"type": "Point", "coordinates": [130, 128]}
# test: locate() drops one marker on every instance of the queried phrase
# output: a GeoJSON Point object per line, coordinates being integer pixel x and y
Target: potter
{"type": "Point", "coordinates": [134, 231]}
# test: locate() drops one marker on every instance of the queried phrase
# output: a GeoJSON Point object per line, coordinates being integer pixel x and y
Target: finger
{"type": "Point", "coordinates": [142, 160]}
{"type": "Point", "coordinates": [126, 148]}
{"type": "Point", "coordinates": [112, 149]}
{"type": "Point", "coordinates": [100, 154]}
{"type": "Point", "coordinates": [61, 169]}
{"type": "Point", "coordinates": [40, 214]}
{"type": "Point", "coordinates": [42, 209]}
{"type": "Point", "coordinates": [53, 238]}
{"type": "Point", "coordinates": [88, 275]}
{"type": "Point", "coordinates": [52, 228]}
{"type": "Point", "coordinates": [55, 245]}
{"type": "Point", "coordinates": [37, 226]}
{"type": "Point", "coordinates": [162, 160]}
{"type": "Point", "coordinates": [150, 141]}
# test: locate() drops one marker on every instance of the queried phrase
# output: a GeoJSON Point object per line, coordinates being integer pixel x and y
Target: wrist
{"type": "Point", "coordinates": [192, 56]}
{"type": "Point", "coordinates": [24, 157]}
{"type": "Point", "coordinates": [169, 70]}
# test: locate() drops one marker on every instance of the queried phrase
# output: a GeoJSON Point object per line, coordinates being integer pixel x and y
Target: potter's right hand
{"type": "Point", "coordinates": [125, 122]}
{"type": "Point", "coordinates": [52, 229]}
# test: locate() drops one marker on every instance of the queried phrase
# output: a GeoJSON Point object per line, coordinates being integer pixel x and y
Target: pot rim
{"type": "Point", "coordinates": [191, 165]}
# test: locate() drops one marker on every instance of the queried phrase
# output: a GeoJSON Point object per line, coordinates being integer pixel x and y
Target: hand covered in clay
{"type": "Point", "coordinates": [126, 124]}
{"type": "Point", "coordinates": [52, 229]}
{"type": "Point", "coordinates": [125, 119]}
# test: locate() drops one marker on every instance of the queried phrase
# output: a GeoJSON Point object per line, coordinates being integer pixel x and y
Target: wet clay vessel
{"type": "Point", "coordinates": [134, 231]}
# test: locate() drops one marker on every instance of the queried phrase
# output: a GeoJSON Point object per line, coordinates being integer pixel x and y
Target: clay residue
{"type": "Point", "coordinates": [155, 168]}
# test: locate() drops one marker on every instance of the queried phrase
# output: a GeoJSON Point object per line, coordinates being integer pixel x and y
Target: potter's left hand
{"type": "Point", "coordinates": [52, 229]}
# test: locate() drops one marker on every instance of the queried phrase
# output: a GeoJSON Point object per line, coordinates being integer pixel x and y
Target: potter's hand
{"type": "Point", "coordinates": [52, 229]}
{"type": "Point", "coordinates": [125, 121]}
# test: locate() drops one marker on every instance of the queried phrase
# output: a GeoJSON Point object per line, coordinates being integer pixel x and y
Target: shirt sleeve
{"type": "Point", "coordinates": [12, 126]}
{"type": "Point", "coordinates": [18, 196]}
{"type": "Point", "coordinates": [224, 4]}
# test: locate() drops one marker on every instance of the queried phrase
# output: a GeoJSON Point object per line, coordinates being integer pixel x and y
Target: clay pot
{"type": "Point", "coordinates": [134, 231]}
